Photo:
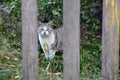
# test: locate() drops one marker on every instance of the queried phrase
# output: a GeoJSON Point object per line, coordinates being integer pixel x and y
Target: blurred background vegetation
{"type": "Point", "coordinates": [10, 38]}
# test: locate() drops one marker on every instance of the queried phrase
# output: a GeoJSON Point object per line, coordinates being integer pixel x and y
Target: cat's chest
{"type": "Point", "coordinates": [49, 40]}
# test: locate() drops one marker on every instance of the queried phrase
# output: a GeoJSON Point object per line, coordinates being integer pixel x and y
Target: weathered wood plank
{"type": "Point", "coordinates": [110, 40]}
{"type": "Point", "coordinates": [29, 40]}
{"type": "Point", "coordinates": [71, 23]}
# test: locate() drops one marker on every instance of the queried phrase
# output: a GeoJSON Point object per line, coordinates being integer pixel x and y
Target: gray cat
{"type": "Point", "coordinates": [50, 39]}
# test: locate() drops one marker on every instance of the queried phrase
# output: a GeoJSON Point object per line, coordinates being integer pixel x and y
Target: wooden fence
{"type": "Point", "coordinates": [71, 22]}
{"type": "Point", "coordinates": [110, 39]}
{"type": "Point", "coordinates": [29, 40]}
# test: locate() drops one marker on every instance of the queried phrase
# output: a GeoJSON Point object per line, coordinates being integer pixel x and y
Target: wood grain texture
{"type": "Point", "coordinates": [110, 40]}
{"type": "Point", "coordinates": [71, 42]}
{"type": "Point", "coordinates": [29, 40]}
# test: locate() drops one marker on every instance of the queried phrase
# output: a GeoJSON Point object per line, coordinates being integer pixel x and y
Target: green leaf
{"type": "Point", "coordinates": [55, 13]}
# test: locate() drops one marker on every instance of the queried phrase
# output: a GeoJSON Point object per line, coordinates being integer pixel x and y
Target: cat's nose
{"type": "Point", "coordinates": [44, 33]}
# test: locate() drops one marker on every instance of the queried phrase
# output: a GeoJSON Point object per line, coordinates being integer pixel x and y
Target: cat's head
{"type": "Point", "coordinates": [45, 29]}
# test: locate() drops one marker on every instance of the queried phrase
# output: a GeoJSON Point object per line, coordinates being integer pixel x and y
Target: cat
{"type": "Point", "coordinates": [50, 39]}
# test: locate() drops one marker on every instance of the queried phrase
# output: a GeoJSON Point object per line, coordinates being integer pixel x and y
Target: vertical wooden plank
{"type": "Point", "coordinates": [110, 40]}
{"type": "Point", "coordinates": [71, 23]}
{"type": "Point", "coordinates": [29, 40]}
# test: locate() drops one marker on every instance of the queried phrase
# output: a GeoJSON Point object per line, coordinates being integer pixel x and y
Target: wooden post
{"type": "Point", "coordinates": [71, 39]}
{"type": "Point", "coordinates": [110, 40]}
{"type": "Point", "coordinates": [29, 40]}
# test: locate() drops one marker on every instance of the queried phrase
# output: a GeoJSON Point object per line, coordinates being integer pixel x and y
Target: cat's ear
{"type": "Point", "coordinates": [39, 23]}
{"type": "Point", "coordinates": [50, 23]}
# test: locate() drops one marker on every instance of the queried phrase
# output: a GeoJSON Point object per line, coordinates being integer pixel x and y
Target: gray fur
{"type": "Point", "coordinates": [53, 37]}
{"type": "Point", "coordinates": [59, 38]}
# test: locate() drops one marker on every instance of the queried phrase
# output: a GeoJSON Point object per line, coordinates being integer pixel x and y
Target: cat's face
{"type": "Point", "coordinates": [45, 29]}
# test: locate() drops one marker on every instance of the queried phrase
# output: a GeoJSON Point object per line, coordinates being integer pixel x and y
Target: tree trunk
{"type": "Point", "coordinates": [71, 43]}
{"type": "Point", "coordinates": [110, 40]}
{"type": "Point", "coordinates": [29, 40]}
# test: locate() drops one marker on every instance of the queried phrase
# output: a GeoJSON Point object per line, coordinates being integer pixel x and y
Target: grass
{"type": "Point", "coordinates": [10, 61]}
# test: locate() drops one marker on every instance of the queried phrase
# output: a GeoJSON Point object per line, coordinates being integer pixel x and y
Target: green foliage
{"type": "Point", "coordinates": [90, 49]}
{"type": "Point", "coordinates": [10, 27]}
{"type": "Point", "coordinates": [90, 20]}
{"type": "Point", "coordinates": [49, 77]}
{"type": "Point", "coordinates": [50, 10]}
{"type": "Point", "coordinates": [57, 63]}
{"type": "Point", "coordinates": [10, 41]}
{"type": "Point", "coordinates": [90, 61]}
{"type": "Point", "coordinates": [10, 61]}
